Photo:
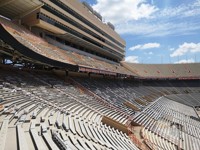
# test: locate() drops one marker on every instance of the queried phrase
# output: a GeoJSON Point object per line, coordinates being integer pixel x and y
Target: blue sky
{"type": "Point", "coordinates": [155, 31]}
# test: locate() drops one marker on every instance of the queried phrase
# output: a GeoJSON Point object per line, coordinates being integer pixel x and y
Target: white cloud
{"type": "Point", "coordinates": [158, 29]}
{"type": "Point", "coordinates": [118, 11]}
{"type": "Point", "coordinates": [143, 18]}
{"type": "Point", "coordinates": [185, 48]}
{"type": "Point", "coordinates": [197, 3]}
{"type": "Point", "coordinates": [185, 61]}
{"type": "Point", "coordinates": [150, 45]}
{"type": "Point", "coordinates": [174, 11]}
{"type": "Point", "coordinates": [172, 49]}
{"type": "Point", "coordinates": [145, 46]}
{"type": "Point", "coordinates": [132, 59]}
{"type": "Point", "coordinates": [135, 47]}
{"type": "Point", "coordinates": [183, 10]}
{"type": "Point", "coordinates": [193, 9]}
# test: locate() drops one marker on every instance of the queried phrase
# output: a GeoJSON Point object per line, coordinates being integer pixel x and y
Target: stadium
{"type": "Point", "coordinates": [64, 85]}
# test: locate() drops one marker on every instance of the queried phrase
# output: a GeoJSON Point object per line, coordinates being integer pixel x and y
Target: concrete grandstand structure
{"type": "Point", "coordinates": [173, 71]}
{"type": "Point", "coordinates": [64, 85]}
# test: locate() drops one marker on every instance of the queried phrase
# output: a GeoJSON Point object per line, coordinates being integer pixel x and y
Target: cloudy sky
{"type": "Point", "coordinates": [155, 31]}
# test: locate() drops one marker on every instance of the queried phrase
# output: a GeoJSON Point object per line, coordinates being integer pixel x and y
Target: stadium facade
{"type": "Point", "coordinates": [103, 102]}
{"type": "Point", "coordinates": [70, 26]}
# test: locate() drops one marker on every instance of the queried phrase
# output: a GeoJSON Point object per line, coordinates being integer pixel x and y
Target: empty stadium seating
{"type": "Point", "coordinates": [164, 70]}
{"type": "Point", "coordinates": [170, 122]}
{"type": "Point", "coordinates": [50, 114]}
{"type": "Point", "coordinates": [39, 108]}
{"type": "Point", "coordinates": [98, 103]}
{"type": "Point", "coordinates": [190, 99]}
{"type": "Point", "coordinates": [118, 92]}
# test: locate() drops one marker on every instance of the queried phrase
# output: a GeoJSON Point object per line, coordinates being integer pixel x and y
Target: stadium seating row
{"type": "Point", "coordinates": [190, 70]}
{"type": "Point", "coordinates": [172, 121]}
{"type": "Point", "coordinates": [50, 114]}
{"type": "Point", "coordinates": [138, 94]}
{"type": "Point", "coordinates": [190, 99]}
{"type": "Point", "coordinates": [58, 114]}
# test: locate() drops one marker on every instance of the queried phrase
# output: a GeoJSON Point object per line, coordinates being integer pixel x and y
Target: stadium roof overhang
{"type": "Point", "coordinates": [15, 9]}
{"type": "Point", "coordinates": [8, 52]}
{"type": "Point", "coordinates": [26, 54]}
